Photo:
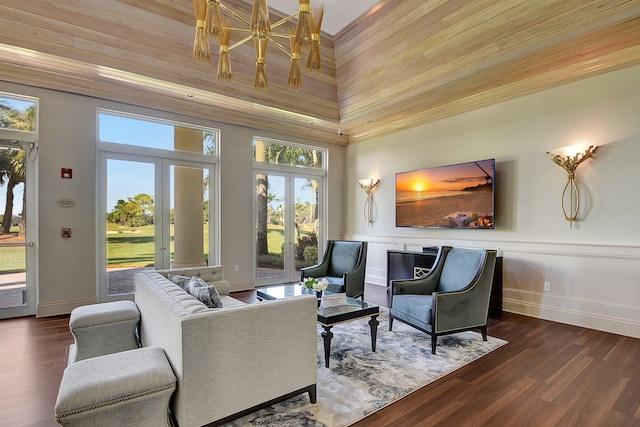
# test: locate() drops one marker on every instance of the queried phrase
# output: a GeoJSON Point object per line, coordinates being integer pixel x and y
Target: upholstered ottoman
{"type": "Point", "coordinates": [100, 329]}
{"type": "Point", "coordinates": [130, 388]}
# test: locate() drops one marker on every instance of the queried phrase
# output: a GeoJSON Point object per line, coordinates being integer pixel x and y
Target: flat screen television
{"type": "Point", "coordinates": [452, 196]}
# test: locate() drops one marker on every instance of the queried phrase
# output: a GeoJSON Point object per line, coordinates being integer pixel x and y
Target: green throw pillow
{"type": "Point", "coordinates": [205, 293]}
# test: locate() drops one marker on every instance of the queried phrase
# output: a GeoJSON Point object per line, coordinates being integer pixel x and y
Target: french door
{"type": "Point", "coordinates": [287, 224]}
{"type": "Point", "coordinates": [155, 213]}
{"type": "Point", "coordinates": [18, 273]}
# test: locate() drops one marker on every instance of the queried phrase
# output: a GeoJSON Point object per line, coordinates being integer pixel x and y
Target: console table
{"type": "Point", "coordinates": [407, 265]}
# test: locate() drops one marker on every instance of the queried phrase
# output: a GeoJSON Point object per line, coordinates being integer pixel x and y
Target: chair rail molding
{"type": "Point", "coordinates": [591, 285]}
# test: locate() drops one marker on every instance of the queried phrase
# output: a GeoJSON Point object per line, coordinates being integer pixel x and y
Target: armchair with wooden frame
{"type": "Point", "coordinates": [452, 297]}
{"type": "Point", "coordinates": [343, 265]}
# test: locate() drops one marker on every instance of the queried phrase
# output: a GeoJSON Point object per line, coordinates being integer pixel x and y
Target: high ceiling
{"type": "Point", "coordinates": [398, 65]}
{"type": "Point", "coordinates": [338, 14]}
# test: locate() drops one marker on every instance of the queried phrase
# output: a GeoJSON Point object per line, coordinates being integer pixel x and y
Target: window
{"type": "Point", "coordinates": [282, 153]}
{"type": "Point", "coordinates": [18, 154]}
{"type": "Point", "coordinates": [289, 180]}
{"type": "Point", "coordinates": [158, 197]}
{"type": "Point", "coordinates": [153, 133]}
{"type": "Point", "coordinates": [18, 120]}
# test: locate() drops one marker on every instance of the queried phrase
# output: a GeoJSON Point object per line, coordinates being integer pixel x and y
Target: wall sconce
{"type": "Point", "coordinates": [368, 185]}
{"type": "Point", "coordinates": [569, 158]}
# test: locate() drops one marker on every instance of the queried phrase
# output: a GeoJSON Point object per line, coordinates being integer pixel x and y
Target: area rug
{"type": "Point", "coordinates": [359, 382]}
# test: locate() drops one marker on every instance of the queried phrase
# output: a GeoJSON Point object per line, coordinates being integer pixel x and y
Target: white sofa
{"type": "Point", "coordinates": [232, 360]}
{"type": "Point", "coordinates": [211, 274]}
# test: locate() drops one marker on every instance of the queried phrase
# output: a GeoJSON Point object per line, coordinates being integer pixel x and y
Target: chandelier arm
{"type": "Point", "coordinates": [282, 35]}
{"type": "Point", "coordinates": [235, 15]}
{"type": "Point", "coordinates": [241, 30]}
{"type": "Point", "coordinates": [283, 21]}
{"type": "Point", "coordinates": [239, 42]}
{"type": "Point", "coordinates": [279, 46]}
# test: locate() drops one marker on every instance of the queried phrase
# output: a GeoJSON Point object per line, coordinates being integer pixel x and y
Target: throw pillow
{"type": "Point", "coordinates": [207, 294]}
{"type": "Point", "coordinates": [181, 281]}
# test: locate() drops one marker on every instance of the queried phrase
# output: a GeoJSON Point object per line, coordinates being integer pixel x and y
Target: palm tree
{"type": "Point", "coordinates": [12, 176]}
{"type": "Point", "coordinates": [262, 246]}
{"type": "Point", "coordinates": [276, 154]}
{"type": "Point", "coordinates": [12, 162]}
{"type": "Point", "coordinates": [5, 168]}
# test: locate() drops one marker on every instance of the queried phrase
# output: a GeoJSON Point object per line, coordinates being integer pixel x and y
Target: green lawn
{"type": "Point", "coordinates": [132, 247]}
{"type": "Point", "coordinates": [275, 237]}
{"type": "Point", "coordinates": [12, 260]}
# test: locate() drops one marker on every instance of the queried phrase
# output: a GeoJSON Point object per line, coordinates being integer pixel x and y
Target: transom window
{"type": "Point", "coordinates": [286, 153]}
{"type": "Point", "coordinates": [18, 118]}
{"type": "Point", "coordinates": [139, 131]}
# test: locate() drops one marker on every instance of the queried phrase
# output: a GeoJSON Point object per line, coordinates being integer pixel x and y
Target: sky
{"type": "Point", "coordinates": [445, 178]}
{"type": "Point", "coordinates": [17, 199]}
{"type": "Point", "coordinates": [129, 178]}
{"type": "Point", "coordinates": [22, 106]}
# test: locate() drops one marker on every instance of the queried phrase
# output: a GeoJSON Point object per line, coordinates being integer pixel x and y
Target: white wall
{"type": "Point", "coordinates": [68, 267]}
{"type": "Point", "coordinates": [593, 267]}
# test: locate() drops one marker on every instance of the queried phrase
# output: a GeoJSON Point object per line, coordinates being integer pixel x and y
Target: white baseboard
{"type": "Point", "coordinates": [376, 279]}
{"type": "Point", "coordinates": [61, 307]}
{"type": "Point", "coordinates": [573, 317]}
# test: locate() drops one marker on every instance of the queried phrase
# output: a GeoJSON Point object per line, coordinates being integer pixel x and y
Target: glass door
{"type": "Point", "coordinates": [191, 193]}
{"type": "Point", "coordinates": [287, 225]}
{"type": "Point", "coordinates": [17, 250]}
{"type": "Point", "coordinates": [305, 240]}
{"type": "Point", "coordinates": [131, 222]}
{"type": "Point", "coordinates": [157, 215]}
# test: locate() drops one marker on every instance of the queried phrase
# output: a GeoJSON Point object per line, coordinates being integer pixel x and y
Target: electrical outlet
{"type": "Point", "coordinates": [237, 267]}
{"type": "Point", "coordinates": [547, 286]}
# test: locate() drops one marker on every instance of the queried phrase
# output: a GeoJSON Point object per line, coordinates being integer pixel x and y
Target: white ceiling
{"type": "Point", "coordinates": [337, 13]}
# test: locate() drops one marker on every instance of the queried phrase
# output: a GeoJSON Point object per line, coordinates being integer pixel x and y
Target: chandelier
{"type": "Point", "coordinates": [213, 22]}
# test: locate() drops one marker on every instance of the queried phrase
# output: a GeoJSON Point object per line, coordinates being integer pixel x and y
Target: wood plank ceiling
{"type": "Point", "coordinates": [402, 64]}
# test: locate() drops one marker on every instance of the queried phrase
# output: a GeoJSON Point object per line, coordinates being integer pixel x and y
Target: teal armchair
{"type": "Point", "coordinates": [343, 266]}
{"type": "Point", "coordinates": [452, 297]}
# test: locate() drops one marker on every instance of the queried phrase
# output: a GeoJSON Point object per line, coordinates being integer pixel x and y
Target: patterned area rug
{"type": "Point", "coordinates": [359, 382]}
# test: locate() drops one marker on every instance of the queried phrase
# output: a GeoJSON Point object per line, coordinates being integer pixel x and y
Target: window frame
{"type": "Point", "coordinates": [292, 172]}
{"type": "Point", "coordinates": [164, 159]}
{"type": "Point", "coordinates": [20, 136]}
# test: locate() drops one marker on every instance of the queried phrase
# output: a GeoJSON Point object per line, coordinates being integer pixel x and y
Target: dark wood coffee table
{"type": "Point", "coordinates": [330, 316]}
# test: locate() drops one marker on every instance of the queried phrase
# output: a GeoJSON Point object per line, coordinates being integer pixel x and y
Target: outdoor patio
{"type": "Point", "coordinates": [13, 287]}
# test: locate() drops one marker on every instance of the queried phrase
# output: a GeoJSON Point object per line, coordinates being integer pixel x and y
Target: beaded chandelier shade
{"type": "Point", "coordinates": [214, 25]}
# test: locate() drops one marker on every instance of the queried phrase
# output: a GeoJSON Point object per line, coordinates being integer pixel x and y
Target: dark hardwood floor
{"type": "Point", "coordinates": [550, 374]}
